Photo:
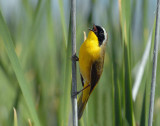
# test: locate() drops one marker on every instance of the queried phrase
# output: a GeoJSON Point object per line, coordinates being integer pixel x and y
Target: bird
{"type": "Point", "coordinates": [91, 60]}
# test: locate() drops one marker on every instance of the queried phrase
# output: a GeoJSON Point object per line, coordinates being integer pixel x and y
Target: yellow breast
{"type": "Point", "coordinates": [89, 52]}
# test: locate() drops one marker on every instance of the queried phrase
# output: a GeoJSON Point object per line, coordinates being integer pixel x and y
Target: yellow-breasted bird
{"type": "Point", "coordinates": [91, 60]}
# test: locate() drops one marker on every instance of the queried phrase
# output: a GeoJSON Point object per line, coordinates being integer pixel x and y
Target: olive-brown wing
{"type": "Point", "coordinates": [96, 71]}
{"type": "Point", "coordinates": [82, 80]}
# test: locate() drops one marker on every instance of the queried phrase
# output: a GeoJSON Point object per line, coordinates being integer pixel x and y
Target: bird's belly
{"type": "Point", "coordinates": [86, 58]}
{"type": "Point", "coordinates": [85, 67]}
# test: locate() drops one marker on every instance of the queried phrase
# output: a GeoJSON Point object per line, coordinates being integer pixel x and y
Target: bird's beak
{"type": "Point", "coordinates": [90, 29]}
{"type": "Point", "coordinates": [94, 28]}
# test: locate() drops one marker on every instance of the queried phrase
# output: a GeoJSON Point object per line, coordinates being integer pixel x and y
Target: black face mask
{"type": "Point", "coordinates": [99, 33]}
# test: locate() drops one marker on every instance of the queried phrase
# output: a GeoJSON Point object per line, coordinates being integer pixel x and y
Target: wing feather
{"type": "Point", "coordinates": [96, 71]}
{"type": "Point", "coordinates": [82, 80]}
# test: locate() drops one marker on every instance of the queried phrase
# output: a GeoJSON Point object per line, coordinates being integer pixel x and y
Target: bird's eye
{"type": "Point", "coordinates": [101, 33]}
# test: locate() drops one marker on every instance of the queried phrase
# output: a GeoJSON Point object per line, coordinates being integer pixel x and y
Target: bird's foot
{"type": "Point", "coordinates": [76, 93]}
{"type": "Point", "coordinates": [75, 58]}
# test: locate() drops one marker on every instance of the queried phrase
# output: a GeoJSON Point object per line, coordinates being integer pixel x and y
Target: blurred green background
{"type": "Point", "coordinates": [40, 33]}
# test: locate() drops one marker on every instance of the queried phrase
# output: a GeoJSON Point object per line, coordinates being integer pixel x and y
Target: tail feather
{"type": "Point", "coordinates": [81, 106]}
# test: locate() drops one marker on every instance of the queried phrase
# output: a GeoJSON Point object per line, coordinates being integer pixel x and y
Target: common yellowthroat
{"type": "Point", "coordinates": [91, 60]}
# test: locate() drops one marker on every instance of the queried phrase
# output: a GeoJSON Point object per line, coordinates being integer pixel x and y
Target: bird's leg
{"type": "Point", "coordinates": [75, 58]}
{"type": "Point", "coordinates": [76, 93]}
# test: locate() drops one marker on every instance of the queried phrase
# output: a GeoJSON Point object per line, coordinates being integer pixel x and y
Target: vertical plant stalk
{"type": "Point", "coordinates": [15, 117]}
{"type": "Point", "coordinates": [154, 68]}
{"type": "Point", "coordinates": [142, 68]}
{"type": "Point", "coordinates": [74, 77]}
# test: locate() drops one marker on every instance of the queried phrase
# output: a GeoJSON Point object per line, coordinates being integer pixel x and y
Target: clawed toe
{"type": "Point", "coordinates": [75, 58]}
{"type": "Point", "coordinates": [75, 94]}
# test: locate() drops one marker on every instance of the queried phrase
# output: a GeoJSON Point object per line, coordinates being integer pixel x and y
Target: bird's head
{"type": "Point", "coordinates": [100, 33]}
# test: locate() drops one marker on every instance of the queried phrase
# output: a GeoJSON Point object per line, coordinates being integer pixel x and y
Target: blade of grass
{"type": "Point", "coordinates": [117, 93]}
{"type": "Point", "coordinates": [117, 96]}
{"type": "Point", "coordinates": [147, 79]}
{"type": "Point", "coordinates": [15, 104]}
{"type": "Point", "coordinates": [148, 84]}
{"type": "Point", "coordinates": [154, 68]}
{"type": "Point", "coordinates": [15, 117]}
{"type": "Point", "coordinates": [29, 121]}
{"type": "Point", "coordinates": [125, 20]}
{"type": "Point", "coordinates": [117, 113]}
{"type": "Point", "coordinates": [63, 22]}
{"type": "Point", "coordinates": [6, 38]}
{"type": "Point", "coordinates": [30, 39]}
{"type": "Point", "coordinates": [142, 121]}
{"type": "Point", "coordinates": [128, 91]}
{"type": "Point", "coordinates": [145, 103]}
{"type": "Point", "coordinates": [141, 69]}
{"type": "Point", "coordinates": [64, 109]}
{"type": "Point", "coordinates": [144, 20]}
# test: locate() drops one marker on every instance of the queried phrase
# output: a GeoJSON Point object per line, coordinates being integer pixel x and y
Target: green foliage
{"type": "Point", "coordinates": [35, 65]}
{"type": "Point", "coordinates": [6, 38]}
